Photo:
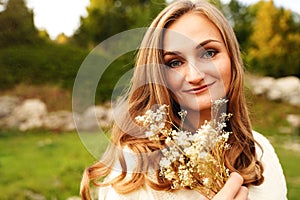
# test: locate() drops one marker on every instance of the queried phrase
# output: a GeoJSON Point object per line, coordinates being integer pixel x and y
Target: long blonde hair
{"type": "Point", "coordinates": [141, 97]}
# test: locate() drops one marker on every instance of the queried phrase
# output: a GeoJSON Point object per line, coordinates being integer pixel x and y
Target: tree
{"type": "Point", "coordinates": [62, 39]}
{"type": "Point", "coordinates": [241, 17]}
{"type": "Point", "coordinates": [104, 19]}
{"type": "Point", "coordinates": [274, 43]}
{"type": "Point", "coordinates": [108, 17]}
{"type": "Point", "coordinates": [44, 35]}
{"type": "Point", "coordinates": [218, 4]}
{"type": "Point", "coordinates": [17, 26]}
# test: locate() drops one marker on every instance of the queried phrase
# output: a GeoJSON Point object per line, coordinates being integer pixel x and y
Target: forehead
{"type": "Point", "coordinates": [190, 29]}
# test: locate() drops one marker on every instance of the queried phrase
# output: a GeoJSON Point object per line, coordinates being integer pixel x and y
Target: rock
{"type": "Point", "coordinates": [295, 146]}
{"type": "Point", "coordinates": [34, 196]}
{"type": "Point", "coordinates": [74, 198]}
{"type": "Point", "coordinates": [286, 89]}
{"type": "Point", "coordinates": [93, 192]}
{"type": "Point", "coordinates": [95, 117]}
{"type": "Point", "coordinates": [293, 120]}
{"type": "Point", "coordinates": [274, 94]}
{"type": "Point", "coordinates": [282, 89]}
{"type": "Point", "coordinates": [260, 86]}
{"type": "Point", "coordinates": [28, 115]}
{"type": "Point", "coordinates": [32, 113]}
{"type": "Point", "coordinates": [59, 121]}
{"type": "Point", "coordinates": [7, 105]}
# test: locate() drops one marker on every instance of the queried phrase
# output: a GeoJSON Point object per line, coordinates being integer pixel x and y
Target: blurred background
{"type": "Point", "coordinates": [43, 44]}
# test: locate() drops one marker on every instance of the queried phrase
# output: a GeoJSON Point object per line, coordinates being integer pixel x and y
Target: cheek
{"type": "Point", "coordinates": [173, 80]}
{"type": "Point", "coordinates": [226, 74]}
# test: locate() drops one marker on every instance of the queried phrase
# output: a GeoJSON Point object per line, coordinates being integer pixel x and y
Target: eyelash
{"type": "Point", "coordinates": [171, 63]}
{"type": "Point", "coordinates": [202, 56]}
{"type": "Point", "coordinates": [209, 51]}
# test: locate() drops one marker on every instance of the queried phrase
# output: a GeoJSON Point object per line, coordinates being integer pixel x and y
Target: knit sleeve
{"type": "Point", "coordinates": [274, 185]}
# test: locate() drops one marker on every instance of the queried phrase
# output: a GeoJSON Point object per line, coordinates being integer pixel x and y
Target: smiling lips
{"type": "Point", "coordinates": [199, 89]}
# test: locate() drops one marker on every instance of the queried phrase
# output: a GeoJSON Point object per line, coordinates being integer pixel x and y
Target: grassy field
{"type": "Point", "coordinates": [290, 161]}
{"type": "Point", "coordinates": [35, 165]}
{"type": "Point", "coordinates": [45, 165]}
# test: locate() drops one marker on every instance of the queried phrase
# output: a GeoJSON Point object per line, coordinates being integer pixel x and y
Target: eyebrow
{"type": "Point", "coordinates": [206, 42]}
{"type": "Point", "coordinates": [197, 47]}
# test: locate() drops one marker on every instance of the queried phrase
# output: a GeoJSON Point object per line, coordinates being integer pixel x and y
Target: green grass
{"type": "Point", "coordinates": [42, 163]}
{"type": "Point", "coordinates": [290, 161]}
{"type": "Point", "coordinates": [269, 118]}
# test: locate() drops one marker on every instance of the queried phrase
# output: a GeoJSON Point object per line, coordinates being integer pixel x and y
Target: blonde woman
{"type": "Point", "coordinates": [188, 57]}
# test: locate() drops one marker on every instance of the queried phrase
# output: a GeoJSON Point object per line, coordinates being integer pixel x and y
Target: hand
{"type": "Point", "coordinates": [233, 189]}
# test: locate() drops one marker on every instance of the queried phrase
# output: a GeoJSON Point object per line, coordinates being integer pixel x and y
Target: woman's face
{"type": "Point", "coordinates": [198, 65]}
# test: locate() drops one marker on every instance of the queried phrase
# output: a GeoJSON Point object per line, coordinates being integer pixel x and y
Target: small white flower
{"type": "Point", "coordinates": [149, 133]}
{"type": "Point", "coordinates": [206, 181]}
{"type": "Point", "coordinates": [161, 125]}
{"type": "Point", "coordinates": [202, 155]}
{"type": "Point", "coordinates": [158, 117]}
{"type": "Point", "coordinates": [225, 136]}
{"type": "Point", "coordinates": [164, 162]}
{"type": "Point", "coordinates": [140, 118]}
{"type": "Point", "coordinates": [168, 141]}
{"type": "Point", "coordinates": [182, 138]}
{"type": "Point", "coordinates": [227, 172]}
{"type": "Point", "coordinates": [149, 112]}
{"type": "Point", "coordinates": [189, 159]}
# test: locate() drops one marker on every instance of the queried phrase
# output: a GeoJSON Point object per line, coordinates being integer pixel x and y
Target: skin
{"type": "Point", "coordinates": [198, 65]}
{"type": "Point", "coordinates": [199, 70]}
{"type": "Point", "coordinates": [233, 189]}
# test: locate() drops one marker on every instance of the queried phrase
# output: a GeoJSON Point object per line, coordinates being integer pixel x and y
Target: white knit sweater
{"type": "Point", "coordinates": [273, 187]}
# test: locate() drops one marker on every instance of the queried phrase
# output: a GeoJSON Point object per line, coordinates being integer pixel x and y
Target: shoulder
{"type": "Point", "coordinates": [267, 151]}
{"type": "Point", "coordinates": [274, 185]}
{"type": "Point", "coordinates": [267, 155]}
{"type": "Point", "coordinates": [130, 160]}
{"type": "Point", "coordinates": [261, 139]}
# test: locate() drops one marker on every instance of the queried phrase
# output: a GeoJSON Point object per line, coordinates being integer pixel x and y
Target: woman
{"type": "Point", "coordinates": [188, 57]}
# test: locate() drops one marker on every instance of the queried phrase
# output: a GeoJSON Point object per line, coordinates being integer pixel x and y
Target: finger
{"type": "Point", "coordinates": [232, 186]}
{"type": "Point", "coordinates": [242, 193]}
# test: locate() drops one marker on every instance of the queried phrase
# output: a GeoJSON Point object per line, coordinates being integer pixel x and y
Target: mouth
{"type": "Point", "coordinates": [199, 89]}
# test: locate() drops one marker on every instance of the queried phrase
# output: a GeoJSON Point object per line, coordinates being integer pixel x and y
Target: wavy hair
{"type": "Point", "coordinates": [148, 88]}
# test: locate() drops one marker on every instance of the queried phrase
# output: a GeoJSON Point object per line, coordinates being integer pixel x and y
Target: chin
{"type": "Point", "coordinates": [197, 106]}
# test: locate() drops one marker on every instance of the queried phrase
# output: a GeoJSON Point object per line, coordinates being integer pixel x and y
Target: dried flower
{"type": "Point", "coordinates": [194, 160]}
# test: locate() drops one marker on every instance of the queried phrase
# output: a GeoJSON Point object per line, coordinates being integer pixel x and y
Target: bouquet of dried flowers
{"type": "Point", "coordinates": [193, 160]}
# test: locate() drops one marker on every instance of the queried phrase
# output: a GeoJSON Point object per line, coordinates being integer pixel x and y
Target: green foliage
{"type": "Point", "coordinates": [274, 42]}
{"type": "Point", "coordinates": [108, 17]}
{"type": "Point", "coordinates": [218, 4]}
{"type": "Point", "coordinates": [17, 26]}
{"type": "Point", "coordinates": [109, 79]}
{"type": "Point", "coordinates": [241, 16]}
{"type": "Point", "coordinates": [39, 64]}
{"type": "Point", "coordinates": [102, 24]}
{"type": "Point", "coordinates": [57, 65]}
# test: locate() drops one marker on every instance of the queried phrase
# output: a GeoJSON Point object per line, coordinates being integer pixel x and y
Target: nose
{"type": "Point", "coordinates": [194, 75]}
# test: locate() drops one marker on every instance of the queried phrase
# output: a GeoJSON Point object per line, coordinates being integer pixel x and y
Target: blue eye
{"type": "Point", "coordinates": [210, 53]}
{"type": "Point", "coordinates": [175, 63]}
